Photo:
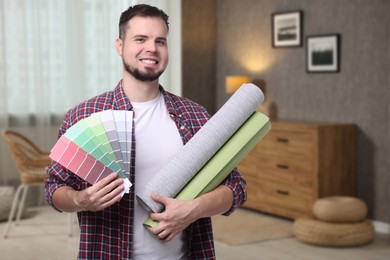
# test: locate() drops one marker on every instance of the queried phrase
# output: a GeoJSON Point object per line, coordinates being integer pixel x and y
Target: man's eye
{"type": "Point", "coordinates": [161, 42]}
{"type": "Point", "coordinates": [140, 40]}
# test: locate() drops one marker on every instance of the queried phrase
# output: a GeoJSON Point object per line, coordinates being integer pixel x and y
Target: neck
{"type": "Point", "coordinates": [140, 91]}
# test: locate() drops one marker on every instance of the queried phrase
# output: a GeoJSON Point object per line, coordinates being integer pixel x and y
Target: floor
{"type": "Point", "coordinates": [44, 235]}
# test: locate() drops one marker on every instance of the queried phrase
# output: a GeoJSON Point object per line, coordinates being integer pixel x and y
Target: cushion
{"type": "Point", "coordinates": [326, 234]}
{"type": "Point", "coordinates": [340, 209]}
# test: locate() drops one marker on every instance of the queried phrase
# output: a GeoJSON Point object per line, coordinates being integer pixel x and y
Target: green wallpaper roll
{"type": "Point", "coordinates": [224, 161]}
{"type": "Point", "coordinates": [189, 159]}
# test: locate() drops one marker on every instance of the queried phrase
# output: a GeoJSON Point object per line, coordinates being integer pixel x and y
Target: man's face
{"type": "Point", "coordinates": [144, 50]}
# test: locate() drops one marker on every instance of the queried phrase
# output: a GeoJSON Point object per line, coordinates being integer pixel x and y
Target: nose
{"type": "Point", "coordinates": [151, 46]}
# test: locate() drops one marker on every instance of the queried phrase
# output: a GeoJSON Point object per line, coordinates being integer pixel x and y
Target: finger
{"type": "Point", "coordinates": [163, 235]}
{"type": "Point", "coordinates": [107, 193]}
{"type": "Point", "coordinates": [106, 180]}
{"type": "Point", "coordinates": [157, 229]}
{"type": "Point", "coordinates": [166, 236]}
{"type": "Point", "coordinates": [153, 216]}
{"type": "Point", "coordinates": [111, 198]}
{"type": "Point", "coordinates": [157, 216]}
{"type": "Point", "coordinates": [111, 202]}
{"type": "Point", "coordinates": [111, 186]}
{"type": "Point", "coordinates": [169, 238]}
{"type": "Point", "coordinates": [112, 190]}
{"type": "Point", "coordinates": [159, 198]}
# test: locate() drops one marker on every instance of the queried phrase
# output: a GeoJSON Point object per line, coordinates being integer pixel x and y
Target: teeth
{"type": "Point", "coordinates": [149, 61]}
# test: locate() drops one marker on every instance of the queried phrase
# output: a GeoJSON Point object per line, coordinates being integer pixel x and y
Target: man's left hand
{"type": "Point", "coordinates": [178, 215]}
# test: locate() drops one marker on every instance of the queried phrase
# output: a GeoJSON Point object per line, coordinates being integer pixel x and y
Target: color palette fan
{"type": "Point", "coordinates": [96, 146]}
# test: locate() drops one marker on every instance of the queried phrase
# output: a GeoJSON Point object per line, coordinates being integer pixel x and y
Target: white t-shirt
{"type": "Point", "coordinates": [157, 139]}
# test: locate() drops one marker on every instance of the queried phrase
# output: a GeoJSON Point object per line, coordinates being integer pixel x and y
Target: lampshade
{"type": "Point", "coordinates": [234, 82]}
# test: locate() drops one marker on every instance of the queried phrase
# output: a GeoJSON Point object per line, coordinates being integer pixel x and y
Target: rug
{"type": "Point", "coordinates": [245, 226]}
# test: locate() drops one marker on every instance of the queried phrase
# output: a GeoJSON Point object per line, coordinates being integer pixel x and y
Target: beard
{"type": "Point", "coordinates": [149, 75]}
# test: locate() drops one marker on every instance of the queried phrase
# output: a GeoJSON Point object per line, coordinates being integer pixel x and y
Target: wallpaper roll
{"type": "Point", "coordinates": [180, 169]}
{"type": "Point", "coordinates": [224, 161]}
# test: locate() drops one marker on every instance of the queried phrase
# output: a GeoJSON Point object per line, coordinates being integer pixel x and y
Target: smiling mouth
{"type": "Point", "coordinates": [146, 61]}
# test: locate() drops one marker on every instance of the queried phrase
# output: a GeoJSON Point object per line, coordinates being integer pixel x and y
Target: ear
{"type": "Point", "coordinates": [119, 46]}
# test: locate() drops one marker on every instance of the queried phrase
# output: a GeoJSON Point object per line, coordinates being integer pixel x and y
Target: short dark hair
{"type": "Point", "coordinates": [142, 10]}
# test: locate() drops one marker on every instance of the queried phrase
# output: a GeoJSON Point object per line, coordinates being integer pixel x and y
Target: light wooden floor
{"type": "Point", "coordinates": [44, 235]}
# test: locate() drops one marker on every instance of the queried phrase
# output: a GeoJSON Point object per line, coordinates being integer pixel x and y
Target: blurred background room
{"type": "Point", "coordinates": [57, 53]}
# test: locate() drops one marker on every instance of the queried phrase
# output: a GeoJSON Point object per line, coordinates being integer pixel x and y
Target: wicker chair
{"type": "Point", "coordinates": [31, 163]}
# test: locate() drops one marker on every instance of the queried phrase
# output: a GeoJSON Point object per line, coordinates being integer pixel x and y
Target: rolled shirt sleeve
{"type": "Point", "coordinates": [236, 182]}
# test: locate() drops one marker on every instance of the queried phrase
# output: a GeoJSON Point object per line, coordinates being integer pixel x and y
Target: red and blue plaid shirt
{"type": "Point", "coordinates": [108, 234]}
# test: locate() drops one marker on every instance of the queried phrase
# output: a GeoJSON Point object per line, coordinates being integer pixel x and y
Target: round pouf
{"type": "Point", "coordinates": [326, 234]}
{"type": "Point", "coordinates": [340, 209]}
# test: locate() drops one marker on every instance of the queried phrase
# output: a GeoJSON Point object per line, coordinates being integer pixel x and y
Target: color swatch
{"type": "Point", "coordinates": [96, 146]}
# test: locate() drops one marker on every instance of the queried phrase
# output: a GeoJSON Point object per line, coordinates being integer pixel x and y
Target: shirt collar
{"type": "Point", "coordinates": [121, 102]}
{"type": "Point", "coordinates": [170, 104]}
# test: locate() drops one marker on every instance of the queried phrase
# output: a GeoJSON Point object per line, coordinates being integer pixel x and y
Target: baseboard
{"type": "Point", "coordinates": [381, 227]}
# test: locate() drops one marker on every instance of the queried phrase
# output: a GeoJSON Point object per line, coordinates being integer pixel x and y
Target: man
{"type": "Point", "coordinates": [111, 225]}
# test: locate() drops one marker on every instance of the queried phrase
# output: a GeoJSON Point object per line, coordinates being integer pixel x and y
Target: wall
{"type": "Point", "coordinates": [358, 94]}
{"type": "Point", "coordinates": [198, 54]}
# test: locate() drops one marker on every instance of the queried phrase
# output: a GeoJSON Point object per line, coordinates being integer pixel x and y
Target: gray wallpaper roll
{"type": "Point", "coordinates": [203, 145]}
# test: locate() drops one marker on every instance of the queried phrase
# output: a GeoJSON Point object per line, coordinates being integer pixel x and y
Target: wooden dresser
{"type": "Point", "coordinates": [296, 163]}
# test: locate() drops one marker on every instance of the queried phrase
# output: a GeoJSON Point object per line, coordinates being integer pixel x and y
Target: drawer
{"type": "Point", "coordinates": [288, 144]}
{"type": "Point", "coordinates": [294, 171]}
{"type": "Point", "coordinates": [274, 196]}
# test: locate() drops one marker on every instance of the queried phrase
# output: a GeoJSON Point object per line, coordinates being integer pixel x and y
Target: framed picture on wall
{"type": "Point", "coordinates": [287, 29]}
{"type": "Point", "coordinates": [323, 53]}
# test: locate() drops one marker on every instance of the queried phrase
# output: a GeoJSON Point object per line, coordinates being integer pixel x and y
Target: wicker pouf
{"type": "Point", "coordinates": [321, 233]}
{"type": "Point", "coordinates": [340, 209]}
{"type": "Point", "coordinates": [6, 197]}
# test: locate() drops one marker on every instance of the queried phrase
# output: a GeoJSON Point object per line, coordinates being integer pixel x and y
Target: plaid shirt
{"type": "Point", "coordinates": [108, 234]}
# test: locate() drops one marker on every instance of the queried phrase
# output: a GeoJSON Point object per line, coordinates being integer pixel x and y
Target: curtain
{"type": "Point", "coordinates": [57, 53]}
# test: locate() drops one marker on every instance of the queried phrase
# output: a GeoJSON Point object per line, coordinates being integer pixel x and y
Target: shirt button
{"type": "Point", "coordinates": [182, 127]}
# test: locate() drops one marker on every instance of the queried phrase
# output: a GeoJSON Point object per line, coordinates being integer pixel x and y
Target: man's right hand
{"type": "Point", "coordinates": [102, 194]}
{"type": "Point", "coordinates": [99, 196]}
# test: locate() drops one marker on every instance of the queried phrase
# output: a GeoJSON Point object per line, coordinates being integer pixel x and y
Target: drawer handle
{"type": "Point", "coordinates": [283, 192]}
{"type": "Point", "coordinates": [282, 166]}
{"type": "Point", "coordinates": [282, 140]}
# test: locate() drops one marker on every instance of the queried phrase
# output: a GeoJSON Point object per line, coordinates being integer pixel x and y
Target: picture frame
{"type": "Point", "coordinates": [323, 53]}
{"type": "Point", "coordinates": [287, 29]}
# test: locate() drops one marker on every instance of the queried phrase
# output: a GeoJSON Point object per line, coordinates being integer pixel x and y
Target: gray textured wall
{"type": "Point", "coordinates": [199, 56]}
{"type": "Point", "coordinates": [358, 94]}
